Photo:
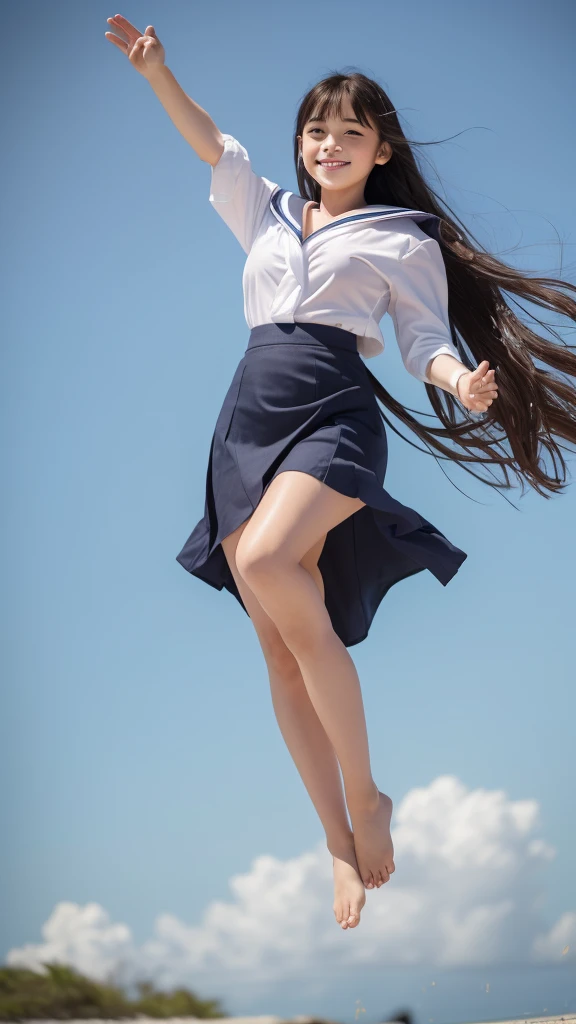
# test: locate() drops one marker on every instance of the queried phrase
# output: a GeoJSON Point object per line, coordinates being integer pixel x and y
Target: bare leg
{"type": "Point", "coordinates": [294, 513]}
{"type": "Point", "coordinates": [307, 741]}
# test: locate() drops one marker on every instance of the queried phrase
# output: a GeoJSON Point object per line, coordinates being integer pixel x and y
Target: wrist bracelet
{"type": "Point", "coordinates": [454, 380]}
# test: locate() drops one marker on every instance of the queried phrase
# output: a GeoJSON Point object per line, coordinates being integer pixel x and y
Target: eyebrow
{"type": "Point", "coordinates": [354, 120]}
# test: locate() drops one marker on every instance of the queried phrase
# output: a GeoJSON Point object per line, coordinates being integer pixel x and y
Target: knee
{"type": "Point", "coordinates": [283, 669]}
{"type": "Point", "coordinates": [257, 564]}
{"type": "Point", "coordinates": [308, 639]}
{"type": "Point", "coordinates": [265, 570]}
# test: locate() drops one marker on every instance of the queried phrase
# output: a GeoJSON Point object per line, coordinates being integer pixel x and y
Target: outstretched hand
{"type": "Point", "coordinates": [145, 52]}
{"type": "Point", "coordinates": [477, 388]}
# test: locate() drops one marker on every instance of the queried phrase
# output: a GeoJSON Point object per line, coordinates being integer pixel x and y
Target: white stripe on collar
{"type": "Point", "coordinates": [279, 204]}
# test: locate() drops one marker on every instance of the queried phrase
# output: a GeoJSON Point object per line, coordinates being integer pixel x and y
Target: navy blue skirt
{"type": "Point", "coordinates": [301, 398]}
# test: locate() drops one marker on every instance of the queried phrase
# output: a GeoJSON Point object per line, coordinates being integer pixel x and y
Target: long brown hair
{"type": "Point", "coordinates": [534, 407]}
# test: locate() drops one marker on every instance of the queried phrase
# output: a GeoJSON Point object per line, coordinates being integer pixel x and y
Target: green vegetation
{"type": "Point", "coordinates": [62, 993]}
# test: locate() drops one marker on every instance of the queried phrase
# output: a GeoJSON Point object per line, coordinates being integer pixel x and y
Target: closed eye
{"type": "Point", "coordinates": [321, 129]}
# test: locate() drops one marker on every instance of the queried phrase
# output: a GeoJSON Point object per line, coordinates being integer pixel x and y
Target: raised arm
{"type": "Point", "coordinates": [237, 193]}
{"type": "Point", "coordinates": [146, 53]}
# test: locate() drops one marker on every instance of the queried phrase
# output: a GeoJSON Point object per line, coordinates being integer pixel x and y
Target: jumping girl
{"type": "Point", "coordinates": [297, 524]}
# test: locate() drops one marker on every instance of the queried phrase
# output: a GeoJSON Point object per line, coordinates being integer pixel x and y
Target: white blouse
{"type": "Point", "coordinates": [348, 273]}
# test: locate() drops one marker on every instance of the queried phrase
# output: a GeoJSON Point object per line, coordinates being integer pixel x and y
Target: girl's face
{"type": "Point", "coordinates": [340, 152]}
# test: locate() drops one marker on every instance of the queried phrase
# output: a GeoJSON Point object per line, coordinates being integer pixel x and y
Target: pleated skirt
{"type": "Point", "coordinates": [301, 399]}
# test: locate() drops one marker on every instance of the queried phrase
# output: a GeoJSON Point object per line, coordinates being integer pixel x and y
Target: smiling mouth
{"type": "Point", "coordinates": [333, 163]}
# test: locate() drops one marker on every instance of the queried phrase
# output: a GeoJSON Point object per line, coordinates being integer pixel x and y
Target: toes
{"type": "Point", "coordinates": [369, 880]}
{"type": "Point", "coordinates": [354, 919]}
{"type": "Point", "coordinates": [342, 914]}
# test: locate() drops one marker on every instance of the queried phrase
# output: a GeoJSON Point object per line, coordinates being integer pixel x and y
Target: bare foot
{"type": "Point", "coordinates": [373, 842]}
{"type": "Point", "coordinates": [349, 891]}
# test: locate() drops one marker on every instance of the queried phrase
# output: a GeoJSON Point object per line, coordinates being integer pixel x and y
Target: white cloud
{"type": "Point", "coordinates": [467, 891]}
{"type": "Point", "coordinates": [562, 936]}
{"type": "Point", "coordinates": [81, 936]}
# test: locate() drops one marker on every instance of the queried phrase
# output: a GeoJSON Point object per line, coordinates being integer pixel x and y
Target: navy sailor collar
{"type": "Point", "coordinates": [280, 205]}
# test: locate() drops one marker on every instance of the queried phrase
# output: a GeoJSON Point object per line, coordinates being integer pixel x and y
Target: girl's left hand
{"type": "Point", "coordinates": [477, 388]}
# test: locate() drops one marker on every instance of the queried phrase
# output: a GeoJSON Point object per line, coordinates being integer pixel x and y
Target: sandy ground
{"type": "Point", "coordinates": [565, 1019]}
{"type": "Point", "coordinates": [191, 1020]}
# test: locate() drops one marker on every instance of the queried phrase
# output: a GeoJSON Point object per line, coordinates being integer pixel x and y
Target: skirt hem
{"type": "Point", "coordinates": [419, 542]}
{"type": "Point", "coordinates": [300, 399]}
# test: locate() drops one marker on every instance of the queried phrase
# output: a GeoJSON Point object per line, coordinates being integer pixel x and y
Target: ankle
{"type": "Point", "coordinates": [364, 801]}
{"type": "Point", "coordinates": [341, 843]}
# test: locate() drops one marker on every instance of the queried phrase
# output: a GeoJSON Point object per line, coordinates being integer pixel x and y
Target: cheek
{"type": "Point", "coordinates": [309, 160]}
{"type": "Point", "coordinates": [365, 158]}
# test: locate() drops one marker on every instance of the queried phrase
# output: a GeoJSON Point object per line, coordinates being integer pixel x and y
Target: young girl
{"type": "Point", "coordinates": [297, 524]}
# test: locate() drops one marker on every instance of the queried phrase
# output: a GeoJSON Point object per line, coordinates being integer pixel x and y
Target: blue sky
{"type": "Point", "coordinates": [145, 767]}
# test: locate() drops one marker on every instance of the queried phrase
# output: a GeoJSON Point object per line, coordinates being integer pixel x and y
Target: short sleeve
{"type": "Point", "coordinates": [419, 307]}
{"type": "Point", "coordinates": [239, 195]}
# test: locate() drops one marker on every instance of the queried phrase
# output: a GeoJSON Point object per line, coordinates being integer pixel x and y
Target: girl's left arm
{"type": "Point", "coordinates": [444, 371]}
{"type": "Point", "coordinates": [419, 309]}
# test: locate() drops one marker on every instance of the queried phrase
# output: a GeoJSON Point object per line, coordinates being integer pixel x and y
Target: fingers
{"type": "Point", "coordinates": [120, 43]}
{"type": "Point", "coordinates": [481, 374]}
{"type": "Point", "coordinates": [125, 26]}
{"type": "Point", "coordinates": [483, 387]}
{"type": "Point", "coordinates": [481, 404]}
{"type": "Point", "coordinates": [482, 397]}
